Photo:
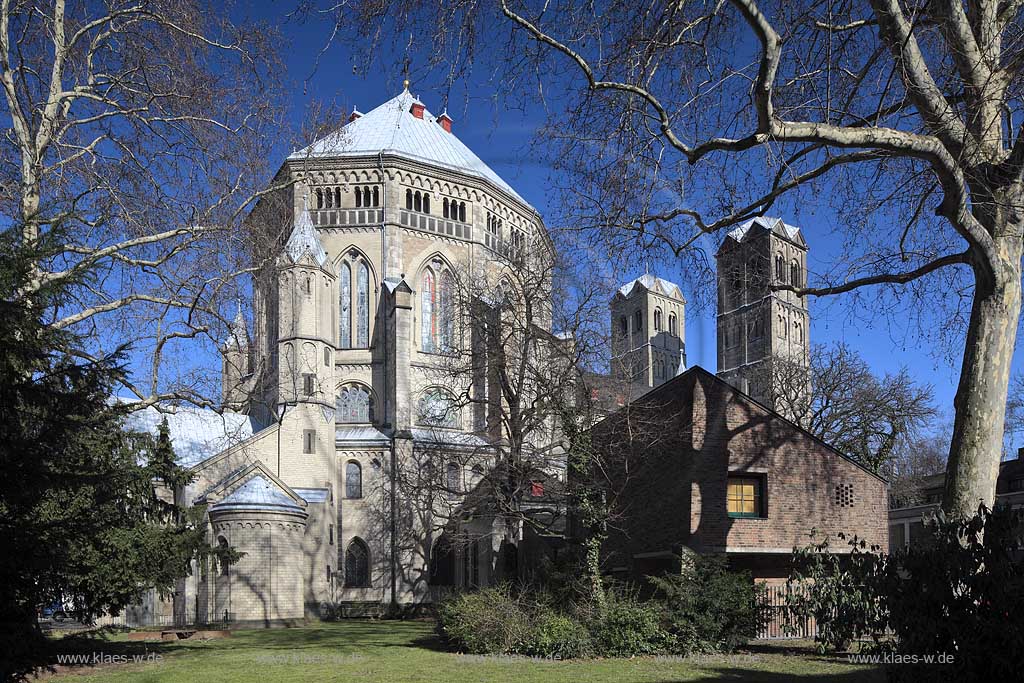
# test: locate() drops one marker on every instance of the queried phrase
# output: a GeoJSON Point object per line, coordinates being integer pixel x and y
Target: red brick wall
{"type": "Point", "coordinates": [673, 450]}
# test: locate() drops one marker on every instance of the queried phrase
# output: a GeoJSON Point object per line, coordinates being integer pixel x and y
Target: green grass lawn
{"type": "Point", "coordinates": [408, 651]}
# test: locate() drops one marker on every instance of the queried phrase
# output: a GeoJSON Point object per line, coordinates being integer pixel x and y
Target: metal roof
{"type": "Point", "coordinates": [392, 128]}
{"type": "Point", "coordinates": [259, 493]}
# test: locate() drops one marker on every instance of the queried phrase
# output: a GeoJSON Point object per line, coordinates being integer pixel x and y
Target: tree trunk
{"type": "Point", "coordinates": [980, 402]}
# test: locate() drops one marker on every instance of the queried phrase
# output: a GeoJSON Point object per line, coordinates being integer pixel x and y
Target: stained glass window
{"type": "Point", "coordinates": [363, 307]}
{"type": "Point", "coordinates": [437, 409]}
{"type": "Point", "coordinates": [353, 480]}
{"type": "Point", "coordinates": [345, 308]}
{"type": "Point", "coordinates": [353, 406]}
{"type": "Point", "coordinates": [447, 313]}
{"type": "Point", "coordinates": [429, 316]}
{"type": "Point", "coordinates": [357, 565]}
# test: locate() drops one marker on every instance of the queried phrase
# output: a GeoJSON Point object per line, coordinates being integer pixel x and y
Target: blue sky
{"type": "Point", "coordinates": [502, 138]}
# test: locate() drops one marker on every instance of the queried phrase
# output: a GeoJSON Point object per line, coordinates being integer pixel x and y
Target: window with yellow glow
{"type": "Point", "coordinates": [744, 497]}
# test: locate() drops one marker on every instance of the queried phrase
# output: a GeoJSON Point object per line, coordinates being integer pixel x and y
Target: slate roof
{"type": "Point", "coordinates": [652, 283]}
{"type": "Point", "coordinates": [776, 225]}
{"type": "Point", "coordinates": [304, 240]}
{"type": "Point", "coordinates": [392, 128]}
{"type": "Point", "coordinates": [259, 493]}
{"type": "Point", "coordinates": [196, 433]}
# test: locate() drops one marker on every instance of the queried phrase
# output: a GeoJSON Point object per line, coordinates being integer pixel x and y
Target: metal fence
{"type": "Point", "coordinates": [781, 622]}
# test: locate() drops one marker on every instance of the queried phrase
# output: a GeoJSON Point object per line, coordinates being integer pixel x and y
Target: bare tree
{"type": "Point", "coordinates": [912, 465]}
{"type": "Point", "coordinates": [138, 134]}
{"type": "Point", "coordinates": [841, 401]}
{"type": "Point", "coordinates": [511, 352]}
{"type": "Point", "coordinates": [908, 112]}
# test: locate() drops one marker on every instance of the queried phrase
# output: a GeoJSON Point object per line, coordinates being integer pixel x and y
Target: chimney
{"type": "Point", "coordinates": [354, 115]}
{"type": "Point", "coordinates": [417, 109]}
{"type": "Point", "coordinates": [445, 121]}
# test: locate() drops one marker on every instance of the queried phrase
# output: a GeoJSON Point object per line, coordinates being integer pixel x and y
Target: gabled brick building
{"type": "Point", "coordinates": [696, 464]}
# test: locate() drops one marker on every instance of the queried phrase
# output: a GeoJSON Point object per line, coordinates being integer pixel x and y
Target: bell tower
{"type": "Point", "coordinates": [648, 331]}
{"type": "Point", "coordinates": [758, 325]}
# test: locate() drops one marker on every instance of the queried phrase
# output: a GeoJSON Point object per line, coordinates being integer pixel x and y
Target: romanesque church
{"type": "Point", "coordinates": [339, 382]}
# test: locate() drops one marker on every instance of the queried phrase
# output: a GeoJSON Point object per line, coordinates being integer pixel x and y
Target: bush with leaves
{"type": "Point", "coordinates": [626, 626]}
{"type": "Point", "coordinates": [708, 607]}
{"type": "Point", "coordinates": [842, 592]}
{"type": "Point", "coordinates": [958, 591]}
{"type": "Point", "coordinates": [490, 621]}
{"type": "Point", "coordinates": [557, 636]}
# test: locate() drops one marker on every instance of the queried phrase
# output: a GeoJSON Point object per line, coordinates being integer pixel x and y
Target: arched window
{"type": "Point", "coordinates": [222, 546]}
{"type": "Point", "coordinates": [357, 564]}
{"type": "Point", "coordinates": [376, 196]}
{"type": "Point", "coordinates": [462, 211]}
{"type": "Point", "coordinates": [437, 409]}
{"type": "Point", "coordinates": [780, 273]}
{"type": "Point", "coordinates": [353, 480]}
{"type": "Point", "coordinates": [319, 198]}
{"type": "Point", "coordinates": [417, 202]}
{"type": "Point", "coordinates": [327, 357]}
{"type": "Point", "coordinates": [345, 307]}
{"type": "Point", "coordinates": [366, 196]}
{"type": "Point", "coordinates": [672, 324]}
{"type": "Point", "coordinates": [359, 199]}
{"type": "Point", "coordinates": [408, 200]}
{"type": "Point", "coordinates": [476, 474]}
{"type": "Point", "coordinates": [657, 320]}
{"type": "Point", "coordinates": [794, 273]}
{"type": "Point", "coordinates": [337, 197]}
{"type": "Point", "coordinates": [446, 313]}
{"type": "Point", "coordinates": [437, 309]}
{"type": "Point", "coordinates": [452, 477]}
{"type": "Point", "coordinates": [363, 307]}
{"type": "Point", "coordinates": [638, 321]}
{"type": "Point", "coordinates": [444, 207]}
{"type": "Point", "coordinates": [428, 293]}
{"type": "Point", "coordinates": [426, 203]}
{"type": "Point", "coordinates": [354, 405]}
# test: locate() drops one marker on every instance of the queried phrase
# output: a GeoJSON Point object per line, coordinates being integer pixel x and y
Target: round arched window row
{"type": "Point", "coordinates": [452, 209]}
{"type": "Point", "coordinates": [417, 201]}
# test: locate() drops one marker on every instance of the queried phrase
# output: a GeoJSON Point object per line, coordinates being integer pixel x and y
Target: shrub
{"type": "Point", "coordinates": [627, 627]}
{"type": "Point", "coordinates": [709, 608]}
{"type": "Point", "coordinates": [488, 621]}
{"type": "Point", "coordinates": [842, 592]}
{"type": "Point", "coordinates": [558, 636]}
{"type": "Point", "coordinates": [958, 592]}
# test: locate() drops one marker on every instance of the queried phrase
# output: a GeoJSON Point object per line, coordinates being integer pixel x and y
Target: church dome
{"type": "Point", "coordinates": [404, 127]}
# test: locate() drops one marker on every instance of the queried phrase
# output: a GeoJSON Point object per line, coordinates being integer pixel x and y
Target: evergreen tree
{"type": "Point", "coordinates": [80, 516]}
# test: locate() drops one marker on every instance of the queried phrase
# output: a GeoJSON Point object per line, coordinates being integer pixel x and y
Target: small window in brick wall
{"type": "Point", "coordinates": [308, 384]}
{"type": "Point", "coordinates": [844, 495]}
{"type": "Point", "coordinates": [308, 440]}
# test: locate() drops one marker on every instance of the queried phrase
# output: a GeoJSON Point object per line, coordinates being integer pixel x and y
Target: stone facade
{"type": "Point", "coordinates": [755, 322]}
{"type": "Point", "coordinates": [648, 319]}
{"type": "Point", "coordinates": [354, 324]}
